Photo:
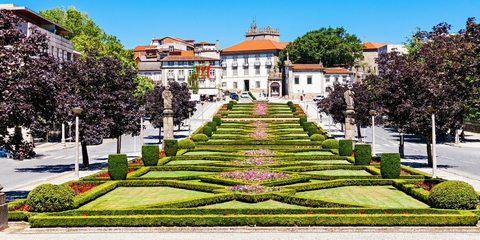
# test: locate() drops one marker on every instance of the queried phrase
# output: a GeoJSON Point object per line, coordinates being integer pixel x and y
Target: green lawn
{"type": "Point", "coordinates": [328, 162]}
{"type": "Point", "coordinates": [202, 153]}
{"type": "Point", "coordinates": [376, 196]}
{"type": "Point", "coordinates": [182, 162]}
{"type": "Point", "coordinates": [323, 153]}
{"type": "Point", "coordinates": [160, 174]}
{"type": "Point", "coordinates": [270, 204]}
{"type": "Point", "coordinates": [341, 172]}
{"type": "Point", "coordinates": [124, 197]}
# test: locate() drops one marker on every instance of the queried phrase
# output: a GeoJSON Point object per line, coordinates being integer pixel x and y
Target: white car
{"type": "Point", "coordinates": [244, 95]}
{"type": "Point", "coordinates": [318, 98]}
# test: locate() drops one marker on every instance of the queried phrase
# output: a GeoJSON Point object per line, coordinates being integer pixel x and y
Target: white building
{"type": "Point", "coordinates": [246, 65]}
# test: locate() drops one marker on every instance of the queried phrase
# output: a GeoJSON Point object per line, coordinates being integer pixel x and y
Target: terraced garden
{"type": "Point", "coordinates": [268, 170]}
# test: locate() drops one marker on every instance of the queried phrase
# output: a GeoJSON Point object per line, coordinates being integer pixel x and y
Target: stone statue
{"type": "Point", "coordinates": [348, 95]}
{"type": "Point", "coordinates": [167, 98]}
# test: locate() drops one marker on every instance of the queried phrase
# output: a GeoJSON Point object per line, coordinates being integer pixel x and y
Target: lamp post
{"type": "Point", "coordinates": [373, 113]}
{"type": "Point", "coordinates": [189, 121]}
{"type": "Point", "coordinates": [434, 151]}
{"type": "Point", "coordinates": [202, 110]}
{"type": "Point", "coordinates": [63, 135]}
{"type": "Point", "coordinates": [77, 111]}
{"type": "Point", "coordinates": [70, 130]}
{"type": "Point", "coordinates": [142, 112]}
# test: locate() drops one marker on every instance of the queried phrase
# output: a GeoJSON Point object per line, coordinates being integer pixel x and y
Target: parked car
{"type": "Point", "coordinates": [245, 95]}
{"type": "Point", "coordinates": [234, 96]}
{"type": "Point", "coordinates": [318, 98]}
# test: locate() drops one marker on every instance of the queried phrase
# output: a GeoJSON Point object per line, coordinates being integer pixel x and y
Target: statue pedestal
{"type": "Point", "coordinates": [3, 211]}
{"type": "Point", "coordinates": [350, 124]}
{"type": "Point", "coordinates": [168, 124]}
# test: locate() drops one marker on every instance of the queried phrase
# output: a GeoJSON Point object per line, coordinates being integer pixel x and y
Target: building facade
{"type": "Point", "coordinates": [371, 51]}
{"type": "Point", "coordinates": [246, 66]}
{"type": "Point", "coordinates": [58, 46]}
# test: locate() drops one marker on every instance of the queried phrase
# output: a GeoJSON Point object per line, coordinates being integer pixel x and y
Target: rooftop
{"type": "Point", "coordinates": [256, 45]}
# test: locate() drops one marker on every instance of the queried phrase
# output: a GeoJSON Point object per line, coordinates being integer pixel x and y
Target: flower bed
{"type": "Point", "coordinates": [257, 161]}
{"type": "Point", "coordinates": [253, 189]}
{"type": "Point", "coordinates": [259, 152]}
{"type": "Point", "coordinates": [254, 174]}
{"type": "Point", "coordinates": [81, 187]}
{"type": "Point", "coordinates": [105, 174]}
{"type": "Point", "coordinates": [425, 185]}
{"type": "Point", "coordinates": [260, 109]}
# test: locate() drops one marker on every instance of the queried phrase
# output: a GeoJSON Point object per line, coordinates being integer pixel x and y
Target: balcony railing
{"type": "Point", "coordinates": [268, 63]}
{"type": "Point", "coordinates": [181, 76]}
{"type": "Point", "coordinates": [170, 76]}
{"type": "Point", "coordinates": [257, 63]}
{"type": "Point", "coordinates": [245, 64]}
{"type": "Point", "coordinates": [235, 64]}
{"type": "Point", "coordinates": [224, 64]}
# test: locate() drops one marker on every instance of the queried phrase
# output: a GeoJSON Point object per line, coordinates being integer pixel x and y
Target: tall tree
{"type": "Point", "coordinates": [144, 84]}
{"type": "Point", "coordinates": [442, 73]}
{"type": "Point", "coordinates": [104, 90]}
{"type": "Point", "coordinates": [32, 94]}
{"type": "Point", "coordinates": [333, 46]}
{"type": "Point", "coordinates": [180, 103]}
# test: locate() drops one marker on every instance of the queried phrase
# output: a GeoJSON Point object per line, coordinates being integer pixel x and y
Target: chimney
{"type": "Point", "coordinates": [217, 45]}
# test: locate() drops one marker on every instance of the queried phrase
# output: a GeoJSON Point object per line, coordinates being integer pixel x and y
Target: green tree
{"type": "Point", "coordinates": [87, 35]}
{"type": "Point", "coordinates": [144, 84]}
{"type": "Point", "coordinates": [193, 83]}
{"type": "Point", "coordinates": [333, 46]}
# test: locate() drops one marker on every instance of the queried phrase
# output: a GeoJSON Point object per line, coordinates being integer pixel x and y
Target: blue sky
{"type": "Point", "coordinates": [137, 22]}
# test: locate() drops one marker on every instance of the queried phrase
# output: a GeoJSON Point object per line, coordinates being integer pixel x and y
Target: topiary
{"type": "Point", "coordinates": [150, 155]}
{"type": "Point", "coordinates": [117, 166]}
{"type": "Point", "coordinates": [217, 120]}
{"type": "Point", "coordinates": [289, 103]}
{"type": "Point", "coordinates": [170, 147]}
{"type": "Point", "coordinates": [453, 194]}
{"type": "Point", "coordinates": [293, 108]}
{"type": "Point", "coordinates": [390, 165]}
{"type": "Point", "coordinates": [229, 106]}
{"type": "Point", "coordinates": [200, 137]}
{"type": "Point", "coordinates": [345, 147]}
{"type": "Point", "coordinates": [51, 198]}
{"type": "Point", "coordinates": [363, 154]}
{"type": "Point", "coordinates": [330, 144]}
{"type": "Point", "coordinates": [186, 144]}
{"type": "Point", "coordinates": [301, 120]}
{"type": "Point", "coordinates": [207, 131]}
{"type": "Point", "coordinates": [306, 125]}
{"type": "Point", "coordinates": [317, 137]}
{"type": "Point", "coordinates": [311, 130]}
{"type": "Point", "coordinates": [213, 125]}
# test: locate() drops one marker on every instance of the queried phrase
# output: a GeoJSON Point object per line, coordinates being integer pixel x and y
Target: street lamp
{"type": "Point", "coordinates": [142, 112]}
{"type": "Point", "coordinates": [202, 110]}
{"type": "Point", "coordinates": [189, 121]}
{"type": "Point", "coordinates": [77, 111]}
{"type": "Point", "coordinates": [373, 113]}
{"type": "Point", "coordinates": [434, 150]}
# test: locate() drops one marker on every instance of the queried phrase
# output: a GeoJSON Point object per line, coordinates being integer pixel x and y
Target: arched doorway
{"type": "Point", "coordinates": [275, 89]}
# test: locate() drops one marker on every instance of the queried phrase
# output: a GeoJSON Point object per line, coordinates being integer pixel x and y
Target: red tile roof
{"type": "Point", "coordinates": [373, 45]}
{"type": "Point", "coordinates": [188, 58]}
{"type": "Point", "coordinates": [204, 43]}
{"type": "Point", "coordinates": [307, 66]}
{"type": "Point", "coordinates": [143, 48]}
{"type": "Point", "coordinates": [256, 45]}
{"type": "Point", "coordinates": [336, 70]}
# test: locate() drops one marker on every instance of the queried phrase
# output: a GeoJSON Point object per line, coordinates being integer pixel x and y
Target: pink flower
{"type": "Point", "coordinates": [254, 174]}
{"type": "Point", "coordinates": [254, 188]}
{"type": "Point", "coordinates": [259, 152]}
{"type": "Point", "coordinates": [260, 109]}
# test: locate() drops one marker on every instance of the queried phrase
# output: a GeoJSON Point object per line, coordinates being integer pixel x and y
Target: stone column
{"type": "Point", "coordinates": [3, 210]}
{"type": "Point", "coordinates": [350, 124]}
{"type": "Point", "coordinates": [167, 114]}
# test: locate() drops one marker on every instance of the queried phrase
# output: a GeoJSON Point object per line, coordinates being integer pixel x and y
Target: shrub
{"type": "Point", "coordinates": [150, 155]}
{"type": "Point", "coordinates": [117, 166]}
{"type": "Point", "coordinates": [311, 130]}
{"type": "Point", "coordinates": [207, 131]}
{"type": "Point", "coordinates": [229, 106]}
{"type": "Point", "coordinates": [200, 137]}
{"type": "Point", "coordinates": [293, 108]}
{"type": "Point", "coordinates": [289, 103]}
{"type": "Point", "coordinates": [224, 114]}
{"type": "Point", "coordinates": [330, 144]}
{"type": "Point", "coordinates": [453, 195]}
{"type": "Point", "coordinates": [363, 154]}
{"type": "Point", "coordinates": [301, 120]}
{"type": "Point", "coordinates": [306, 125]}
{"type": "Point", "coordinates": [217, 120]}
{"type": "Point", "coordinates": [317, 137]}
{"type": "Point", "coordinates": [170, 147]}
{"type": "Point", "coordinates": [345, 147]}
{"type": "Point", "coordinates": [212, 125]}
{"type": "Point", "coordinates": [186, 144]}
{"type": "Point", "coordinates": [51, 198]}
{"type": "Point", "coordinates": [390, 165]}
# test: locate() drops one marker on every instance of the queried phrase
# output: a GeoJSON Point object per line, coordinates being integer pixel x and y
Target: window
{"type": "Point", "coordinates": [235, 72]}
{"type": "Point", "coordinates": [257, 71]}
{"type": "Point", "coordinates": [297, 80]}
{"type": "Point", "coordinates": [309, 79]}
{"type": "Point", "coordinates": [224, 84]}
{"type": "Point", "coordinates": [181, 72]}
{"type": "Point", "coordinates": [190, 72]}
{"type": "Point", "coordinates": [327, 78]}
{"type": "Point", "coordinates": [245, 71]}
{"type": "Point", "coordinates": [268, 69]}
{"type": "Point", "coordinates": [212, 73]}
{"type": "Point", "coordinates": [224, 72]}
{"type": "Point", "coordinates": [170, 73]}
{"type": "Point", "coordinates": [257, 84]}
{"type": "Point", "coordinates": [235, 85]}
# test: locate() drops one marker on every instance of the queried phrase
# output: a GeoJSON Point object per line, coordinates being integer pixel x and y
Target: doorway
{"type": "Point", "coordinates": [246, 85]}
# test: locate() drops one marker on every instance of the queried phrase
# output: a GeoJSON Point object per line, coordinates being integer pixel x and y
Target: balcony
{"type": "Point", "coordinates": [245, 64]}
{"type": "Point", "coordinates": [235, 64]}
{"type": "Point", "coordinates": [224, 64]}
{"type": "Point", "coordinates": [181, 77]}
{"type": "Point", "coordinates": [257, 63]}
{"type": "Point", "coordinates": [170, 76]}
{"type": "Point", "coordinates": [268, 62]}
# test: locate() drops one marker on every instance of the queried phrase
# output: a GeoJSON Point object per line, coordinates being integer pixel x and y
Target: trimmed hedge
{"type": "Point", "coordinates": [301, 120]}
{"type": "Point", "coordinates": [117, 166]}
{"type": "Point", "coordinates": [150, 155]}
{"type": "Point", "coordinates": [51, 198]}
{"type": "Point", "coordinates": [207, 131]}
{"type": "Point", "coordinates": [453, 194]}
{"type": "Point", "coordinates": [217, 120]}
{"type": "Point", "coordinates": [186, 144]}
{"type": "Point", "coordinates": [363, 154]}
{"type": "Point", "coordinates": [317, 137]}
{"type": "Point", "coordinates": [312, 130]}
{"type": "Point", "coordinates": [171, 147]}
{"type": "Point", "coordinates": [330, 144]}
{"type": "Point", "coordinates": [213, 125]}
{"type": "Point", "coordinates": [345, 147]}
{"type": "Point", "coordinates": [390, 165]}
{"type": "Point", "coordinates": [200, 137]}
